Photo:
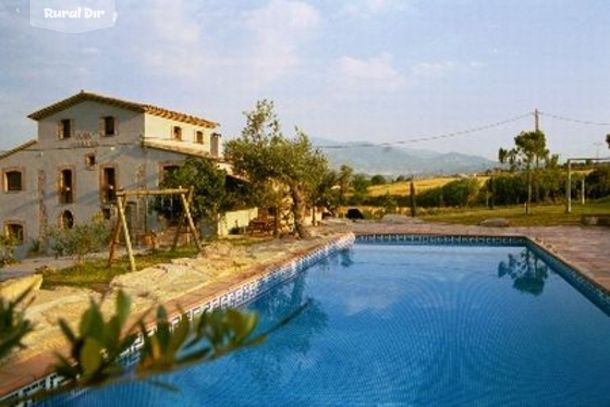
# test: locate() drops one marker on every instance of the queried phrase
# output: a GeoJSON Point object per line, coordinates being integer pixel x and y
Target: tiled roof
{"type": "Point", "coordinates": [83, 96]}
{"type": "Point", "coordinates": [193, 150]}
{"type": "Point", "coordinates": [25, 145]}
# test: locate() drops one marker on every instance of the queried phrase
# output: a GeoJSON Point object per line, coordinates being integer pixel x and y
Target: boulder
{"type": "Point", "coordinates": [14, 287]}
{"type": "Point", "coordinates": [495, 223]}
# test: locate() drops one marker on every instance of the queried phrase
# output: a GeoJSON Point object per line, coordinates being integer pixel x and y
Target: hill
{"type": "Point", "coordinates": [373, 159]}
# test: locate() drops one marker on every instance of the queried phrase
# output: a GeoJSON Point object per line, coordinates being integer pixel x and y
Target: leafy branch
{"type": "Point", "coordinates": [13, 324]}
{"type": "Point", "coordinates": [96, 348]}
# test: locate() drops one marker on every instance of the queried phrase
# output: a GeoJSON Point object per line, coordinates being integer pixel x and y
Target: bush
{"type": "Point", "coordinates": [461, 192]}
{"type": "Point", "coordinates": [509, 189]}
{"type": "Point", "coordinates": [598, 183]}
{"type": "Point", "coordinates": [80, 240]}
{"type": "Point", "coordinates": [378, 180]}
{"type": "Point", "coordinates": [7, 251]}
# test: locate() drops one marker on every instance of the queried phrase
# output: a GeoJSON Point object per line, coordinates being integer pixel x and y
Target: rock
{"type": "Point", "coordinates": [11, 289]}
{"type": "Point", "coordinates": [495, 223]}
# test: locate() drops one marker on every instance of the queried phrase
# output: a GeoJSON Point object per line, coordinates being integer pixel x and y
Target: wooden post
{"type": "Point", "coordinates": [191, 224]}
{"type": "Point", "coordinates": [569, 189]}
{"type": "Point", "coordinates": [412, 200]}
{"type": "Point", "coordinates": [582, 190]}
{"type": "Point", "coordinates": [114, 241]}
{"type": "Point", "coordinates": [180, 222]}
{"type": "Point", "coordinates": [132, 261]}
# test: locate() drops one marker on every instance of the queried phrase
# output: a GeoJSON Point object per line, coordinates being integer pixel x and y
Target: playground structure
{"type": "Point", "coordinates": [569, 180]}
{"type": "Point", "coordinates": [185, 196]}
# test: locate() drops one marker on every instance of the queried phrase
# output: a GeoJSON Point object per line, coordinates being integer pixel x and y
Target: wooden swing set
{"type": "Point", "coordinates": [186, 196]}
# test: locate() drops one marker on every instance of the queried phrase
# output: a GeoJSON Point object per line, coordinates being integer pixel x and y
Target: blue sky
{"type": "Point", "coordinates": [363, 70]}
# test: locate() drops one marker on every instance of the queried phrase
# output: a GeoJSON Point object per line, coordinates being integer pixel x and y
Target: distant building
{"type": "Point", "coordinates": [88, 147]}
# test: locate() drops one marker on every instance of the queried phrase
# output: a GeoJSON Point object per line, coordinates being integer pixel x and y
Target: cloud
{"type": "Point", "coordinates": [278, 31]}
{"type": "Point", "coordinates": [374, 74]}
{"type": "Point", "coordinates": [370, 8]}
{"type": "Point", "coordinates": [177, 37]}
{"type": "Point", "coordinates": [432, 69]}
{"type": "Point", "coordinates": [259, 45]}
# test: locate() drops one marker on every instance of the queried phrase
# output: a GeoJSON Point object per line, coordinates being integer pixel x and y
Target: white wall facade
{"type": "Point", "coordinates": [38, 203]}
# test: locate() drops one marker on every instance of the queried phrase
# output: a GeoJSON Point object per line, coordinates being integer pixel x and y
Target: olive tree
{"type": "Point", "coordinates": [278, 168]}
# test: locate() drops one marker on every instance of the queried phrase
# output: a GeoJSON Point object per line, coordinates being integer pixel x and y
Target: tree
{"type": "Point", "coordinates": [530, 149]}
{"type": "Point", "coordinates": [208, 182]}
{"type": "Point", "coordinates": [278, 168]}
{"type": "Point", "coordinates": [378, 180]}
{"type": "Point", "coordinates": [345, 180]}
{"type": "Point", "coordinates": [325, 194]}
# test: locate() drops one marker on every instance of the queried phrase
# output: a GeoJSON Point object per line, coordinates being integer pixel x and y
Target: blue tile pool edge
{"type": "Point", "coordinates": [244, 293]}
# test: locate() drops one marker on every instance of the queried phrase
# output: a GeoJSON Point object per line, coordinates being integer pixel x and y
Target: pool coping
{"type": "Point", "coordinates": [265, 277]}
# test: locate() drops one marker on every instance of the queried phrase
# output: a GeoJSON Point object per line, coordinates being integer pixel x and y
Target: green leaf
{"type": "Point", "coordinates": [65, 328]}
{"type": "Point", "coordinates": [123, 306]}
{"type": "Point", "coordinates": [179, 335]}
{"type": "Point", "coordinates": [91, 356]}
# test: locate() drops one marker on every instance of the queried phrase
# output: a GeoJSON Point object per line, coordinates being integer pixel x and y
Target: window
{"type": "Point", "coordinates": [66, 221]}
{"type": "Point", "coordinates": [66, 192]}
{"type": "Point", "coordinates": [90, 160]}
{"type": "Point", "coordinates": [14, 232]}
{"type": "Point", "coordinates": [109, 185]}
{"type": "Point", "coordinates": [65, 129]}
{"type": "Point", "coordinates": [177, 133]}
{"type": "Point", "coordinates": [199, 137]}
{"type": "Point", "coordinates": [109, 126]}
{"type": "Point", "coordinates": [13, 181]}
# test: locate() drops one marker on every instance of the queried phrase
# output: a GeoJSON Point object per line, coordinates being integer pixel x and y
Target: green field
{"type": "Point", "coordinates": [403, 188]}
{"type": "Point", "coordinates": [541, 215]}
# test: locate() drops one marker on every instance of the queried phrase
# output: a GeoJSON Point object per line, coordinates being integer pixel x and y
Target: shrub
{"type": "Point", "coordinates": [461, 192]}
{"type": "Point", "coordinates": [598, 183]}
{"type": "Point", "coordinates": [7, 251]}
{"type": "Point", "coordinates": [80, 240]}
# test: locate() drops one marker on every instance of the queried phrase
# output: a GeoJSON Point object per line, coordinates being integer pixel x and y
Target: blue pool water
{"type": "Point", "coordinates": [411, 325]}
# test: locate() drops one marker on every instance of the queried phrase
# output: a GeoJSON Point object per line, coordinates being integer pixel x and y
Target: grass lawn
{"type": "Point", "coordinates": [95, 275]}
{"type": "Point", "coordinates": [543, 215]}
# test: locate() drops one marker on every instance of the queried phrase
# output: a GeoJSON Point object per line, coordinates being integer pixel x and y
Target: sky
{"type": "Point", "coordinates": [361, 70]}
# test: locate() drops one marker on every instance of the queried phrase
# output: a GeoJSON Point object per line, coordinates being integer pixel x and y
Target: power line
{"type": "Point", "coordinates": [430, 138]}
{"type": "Point", "coordinates": [568, 119]}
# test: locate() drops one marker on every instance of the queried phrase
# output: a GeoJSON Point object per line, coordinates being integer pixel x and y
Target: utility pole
{"type": "Point", "coordinates": [536, 120]}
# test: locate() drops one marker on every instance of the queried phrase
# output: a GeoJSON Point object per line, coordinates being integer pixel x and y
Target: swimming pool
{"type": "Point", "coordinates": [410, 324]}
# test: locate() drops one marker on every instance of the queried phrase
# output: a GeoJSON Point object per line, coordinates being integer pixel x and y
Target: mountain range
{"type": "Point", "coordinates": [371, 159]}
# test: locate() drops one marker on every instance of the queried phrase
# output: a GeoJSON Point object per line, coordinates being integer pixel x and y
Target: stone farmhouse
{"type": "Point", "coordinates": [87, 148]}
